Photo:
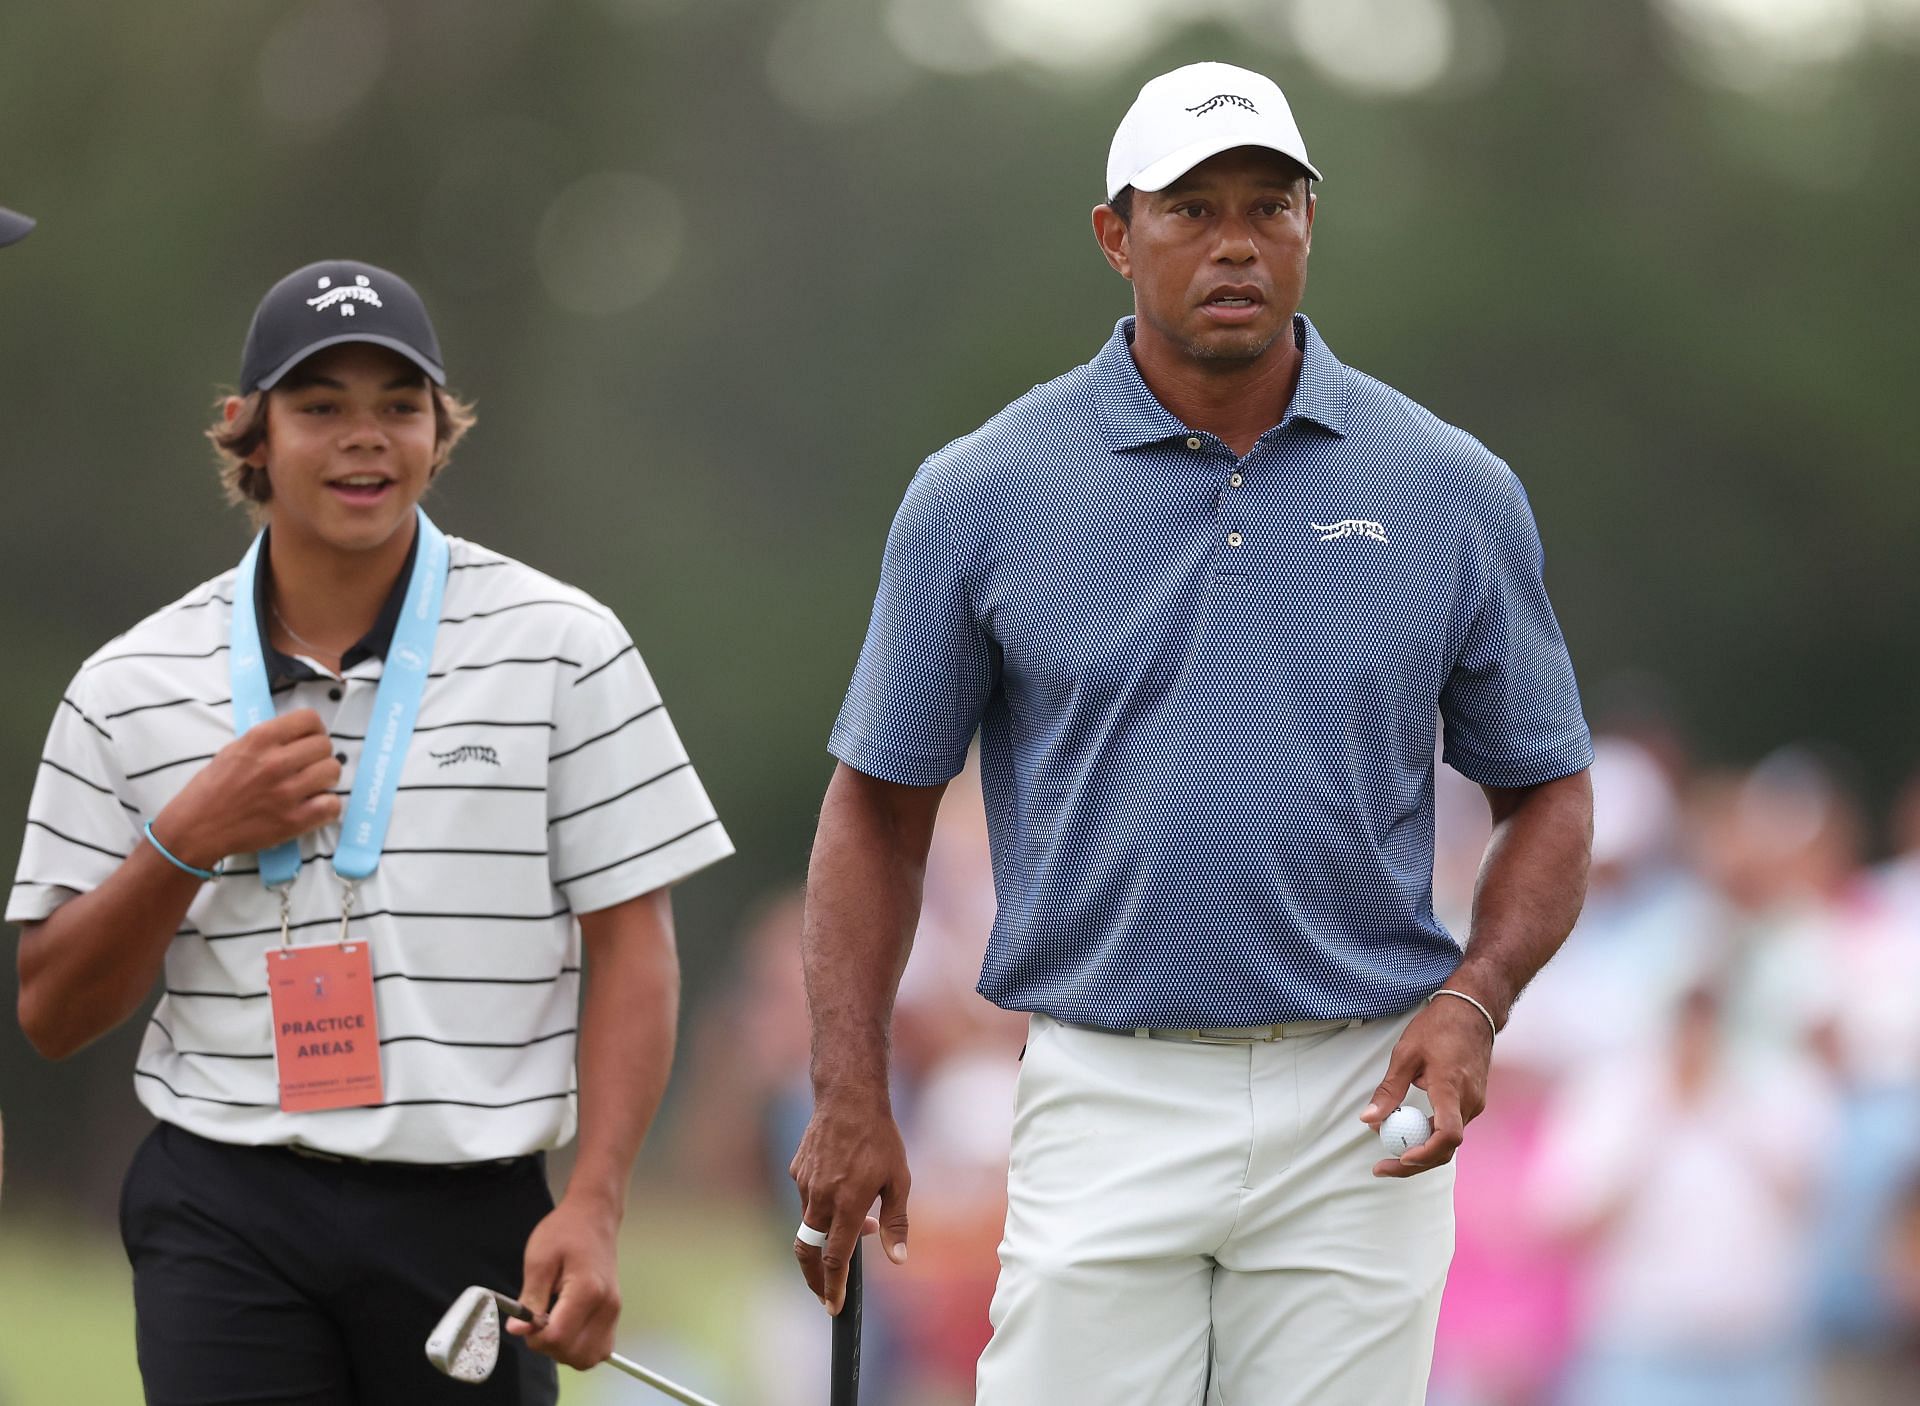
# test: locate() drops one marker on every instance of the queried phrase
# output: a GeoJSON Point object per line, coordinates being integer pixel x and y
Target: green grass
{"type": "Point", "coordinates": [67, 1307]}
{"type": "Point", "coordinates": [68, 1314]}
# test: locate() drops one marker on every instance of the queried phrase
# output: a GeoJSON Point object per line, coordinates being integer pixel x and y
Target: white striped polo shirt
{"type": "Point", "coordinates": [545, 780]}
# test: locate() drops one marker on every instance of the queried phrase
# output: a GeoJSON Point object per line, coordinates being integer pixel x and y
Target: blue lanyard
{"type": "Point", "coordinates": [396, 706]}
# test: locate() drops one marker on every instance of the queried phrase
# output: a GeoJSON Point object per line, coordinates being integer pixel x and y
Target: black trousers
{"type": "Point", "coordinates": [260, 1276]}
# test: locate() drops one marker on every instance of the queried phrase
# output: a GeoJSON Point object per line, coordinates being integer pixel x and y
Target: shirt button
{"type": "Point", "coordinates": [1193, 441]}
{"type": "Point", "coordinates": [1236, 480]}
{"type": "Point", "coordinates": [1233, 539]}
{"type": "Point", "coordinates": [334, 693]}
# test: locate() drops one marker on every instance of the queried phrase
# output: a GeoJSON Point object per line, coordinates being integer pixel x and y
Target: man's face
{"type": "Point", "coordinates": [349, 447]}
{"type": "Point", "coordinates": [1218, 260]}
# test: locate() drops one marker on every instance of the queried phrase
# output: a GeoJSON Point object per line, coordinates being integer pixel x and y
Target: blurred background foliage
{"type": "Point", "coordinates": [720, 273]}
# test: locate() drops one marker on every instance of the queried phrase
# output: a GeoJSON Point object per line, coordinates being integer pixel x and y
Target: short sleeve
{"type": "Point", "coordinates": [927, 667]}
{"type": "Point", "coordinates": [1511, 708]}
{"type": "Point", "coordinates": [79, 831]}
{"type": "Point", "coordinates": [626, 813]}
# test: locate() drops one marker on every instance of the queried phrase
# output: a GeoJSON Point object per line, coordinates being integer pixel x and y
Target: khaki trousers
{"type": "Point", "coordinates": [1196, 1223]}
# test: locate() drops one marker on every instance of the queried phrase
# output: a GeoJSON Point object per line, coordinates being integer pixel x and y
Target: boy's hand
{"type": "Point", "coordinates": [573, 1282]}
{"type": "Point", "coordinates": [271, 784]}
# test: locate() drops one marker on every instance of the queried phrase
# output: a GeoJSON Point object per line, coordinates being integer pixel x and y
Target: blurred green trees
{"type": "Point", "coordinates": [720, 274]}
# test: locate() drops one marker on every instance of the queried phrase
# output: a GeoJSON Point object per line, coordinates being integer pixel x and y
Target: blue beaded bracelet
{"type": "Point", "coordinates": [169, 856]}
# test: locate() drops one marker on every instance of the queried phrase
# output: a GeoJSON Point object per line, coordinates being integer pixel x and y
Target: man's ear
{"type": "Point", "coordinates": [1111, 232]}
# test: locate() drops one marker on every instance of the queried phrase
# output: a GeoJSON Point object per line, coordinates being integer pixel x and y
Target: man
{"type": "Point", "coordinates": [370, 1014]}
{"type": "Point", "coordinates": [13, 228]}
{"type": "Point", "coordinates": [1203, 598]}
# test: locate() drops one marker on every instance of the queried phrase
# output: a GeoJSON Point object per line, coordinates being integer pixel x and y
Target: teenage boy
{"type": "Point", "coordinates": [360, 804]}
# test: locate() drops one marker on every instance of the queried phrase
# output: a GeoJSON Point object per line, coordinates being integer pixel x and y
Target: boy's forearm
{"type": "Point", "coordinates": [89, 965]}
{"type": "Point", "coordinates": [627, 1030]}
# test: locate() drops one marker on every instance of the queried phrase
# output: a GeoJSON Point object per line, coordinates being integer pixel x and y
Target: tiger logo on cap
{"type": "Point", "coordinates": [1219, 100]}
{"type": "Point", "coordinates": [345, 296]}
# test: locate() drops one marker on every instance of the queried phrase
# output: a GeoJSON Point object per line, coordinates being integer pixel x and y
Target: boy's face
{"type": "Point", "coordinates": [349, 447]}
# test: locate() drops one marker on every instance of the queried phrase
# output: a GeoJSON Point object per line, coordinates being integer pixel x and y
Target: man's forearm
{"type": "Point", "coordinates": [627, 1030]}
{"type": "Point", "coordinates": [863, 903]}
{"type": "Point", "coordinates": [1531, 886]}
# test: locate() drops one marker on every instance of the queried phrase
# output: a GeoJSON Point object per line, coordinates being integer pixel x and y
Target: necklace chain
{"type": "Point", "coordinates": [296, 636]}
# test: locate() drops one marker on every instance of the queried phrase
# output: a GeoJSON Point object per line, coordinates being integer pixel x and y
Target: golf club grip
{"type": "Point", "coordinates": [846, 1340]}
{"type": "Point", "coordinates": [513, 1308]}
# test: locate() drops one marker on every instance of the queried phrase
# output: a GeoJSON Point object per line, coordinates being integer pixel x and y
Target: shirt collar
{"type": "Point", "coordinates": [284, 668]}
{"type": "Point", "coordinates": [1132, 417]}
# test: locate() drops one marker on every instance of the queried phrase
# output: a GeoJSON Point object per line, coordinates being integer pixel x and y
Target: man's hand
{"type": "Point", "coordinates": [271, 784]}
{"type": "Point", "coordinates": [851, 1154]}
{"type": "Point", "coordinates": [1445, 1050]}
{"type": "Point", "coordinates": [572, 1276]}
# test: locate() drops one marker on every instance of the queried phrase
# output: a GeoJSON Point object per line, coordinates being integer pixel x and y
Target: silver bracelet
{"type": "Point", "coordinates": [1492, 1029]}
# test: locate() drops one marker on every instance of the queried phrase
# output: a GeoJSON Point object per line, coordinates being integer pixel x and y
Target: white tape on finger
{"type": "Point", "coordinates": [807, 1235]}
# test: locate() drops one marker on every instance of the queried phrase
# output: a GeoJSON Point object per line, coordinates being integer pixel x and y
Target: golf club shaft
{"type": "Point", "coordinates": [844, 1388]}
{"type": "Point", "coordinates": [513, 1308]}
{"type": "Point", "coordinates": [657, 1382]}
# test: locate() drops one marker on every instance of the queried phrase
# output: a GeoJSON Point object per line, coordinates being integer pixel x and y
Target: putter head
{"type": "Point", "coordinates": [465, 1343]}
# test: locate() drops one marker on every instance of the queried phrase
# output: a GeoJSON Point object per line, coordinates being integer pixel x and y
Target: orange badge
{"type": "Point", "coordinates": [325, 1037]}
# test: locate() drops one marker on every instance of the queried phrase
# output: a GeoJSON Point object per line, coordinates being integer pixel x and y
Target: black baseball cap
{"type": "Point", "coordinates": [325, 304]}
{"type": "Point", "coordinates": [13, 226]}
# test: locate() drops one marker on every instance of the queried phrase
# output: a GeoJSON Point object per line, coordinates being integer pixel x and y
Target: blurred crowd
{"type": "Point", "coordinates": [1697, 1179]}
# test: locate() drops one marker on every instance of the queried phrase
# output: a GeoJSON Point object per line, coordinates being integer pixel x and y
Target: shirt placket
{"type": "Point", "coordinates": [345, 706]}
{"type": "Point", "coordinates": [1231, 504]}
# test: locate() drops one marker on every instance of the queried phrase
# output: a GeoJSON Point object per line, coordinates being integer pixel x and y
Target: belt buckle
{"type": "Point", "coordinates": [1265, 1035]}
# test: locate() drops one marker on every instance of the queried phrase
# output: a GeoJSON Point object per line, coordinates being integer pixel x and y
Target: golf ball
{"type": "Point", "coordinates": [1406, 1127]}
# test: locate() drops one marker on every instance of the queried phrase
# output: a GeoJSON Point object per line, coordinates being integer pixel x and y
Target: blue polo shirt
{"type": "Point", "coordinates": [1206, 688]}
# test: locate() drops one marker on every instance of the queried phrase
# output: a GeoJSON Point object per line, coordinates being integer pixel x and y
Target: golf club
{"type": "Point", "coordinates": [465, 1343]}
{"type": "Point", "coordinates": [845, 1381]}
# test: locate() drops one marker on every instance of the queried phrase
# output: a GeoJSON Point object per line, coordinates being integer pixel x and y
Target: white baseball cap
{"type": "Point", "coordinates": [1183, 117]}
